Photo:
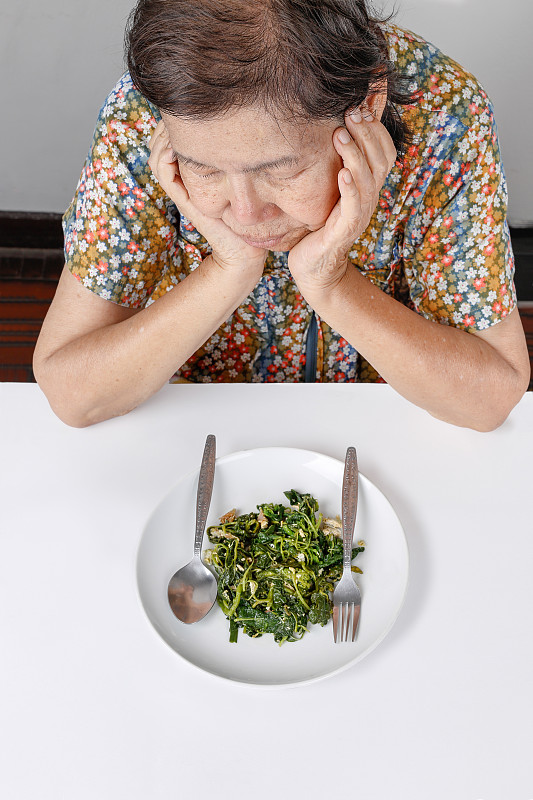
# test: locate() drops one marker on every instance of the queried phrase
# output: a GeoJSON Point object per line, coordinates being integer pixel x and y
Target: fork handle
{"type": "Point", "coordinates": [205, 489]}
{"type": "Point", "coordinates": [350, 486]}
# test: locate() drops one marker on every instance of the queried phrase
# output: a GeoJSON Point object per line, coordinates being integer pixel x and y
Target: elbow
{"type": "Point", "coordinates": [62, 399]}
{"type": "Point", "coordinates": [70, 416]}
{"type": "Point", "coordinates": [490, 423]}
{"type": "Point", "coordinates": [66, 409]}
{"type": "Point", "coordinates": [494, 412]}
{"type": "Point", "coordinates": [492, 408]}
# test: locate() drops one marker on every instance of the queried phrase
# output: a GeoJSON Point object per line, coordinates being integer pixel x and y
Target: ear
{"type": "Point", "coordinates": [377, 100]}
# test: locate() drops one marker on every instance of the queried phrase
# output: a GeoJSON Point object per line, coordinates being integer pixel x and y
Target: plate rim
{"type": "Point", "coordinates": [228, 457]}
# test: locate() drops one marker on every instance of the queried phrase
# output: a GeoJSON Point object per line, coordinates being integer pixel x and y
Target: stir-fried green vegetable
{"type": "Point", "coordinates": [276, 567]}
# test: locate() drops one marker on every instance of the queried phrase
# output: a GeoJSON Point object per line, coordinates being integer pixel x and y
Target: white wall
{"type": "Point", "coordinates": [59, 59]}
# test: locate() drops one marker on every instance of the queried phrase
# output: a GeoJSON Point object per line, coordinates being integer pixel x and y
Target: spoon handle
{"type": "Point", "coordinates": [205, 489]}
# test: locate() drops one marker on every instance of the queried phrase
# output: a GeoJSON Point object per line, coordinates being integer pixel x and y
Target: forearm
{"type": "Point", "coordinates": [453, 374]}
{"type": "Point", "coordinates": [110, 370]}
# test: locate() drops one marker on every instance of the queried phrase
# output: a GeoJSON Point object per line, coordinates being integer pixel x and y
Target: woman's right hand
{"type": "Point", "coordinates": [229, 251]}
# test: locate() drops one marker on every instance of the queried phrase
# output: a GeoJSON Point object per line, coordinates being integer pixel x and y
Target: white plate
{"type": "Point", "coordinates": [242, 480]}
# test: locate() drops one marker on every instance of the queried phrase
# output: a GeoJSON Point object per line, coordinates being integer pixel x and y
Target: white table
{"type": "Point", "coordinates": [94, 705]}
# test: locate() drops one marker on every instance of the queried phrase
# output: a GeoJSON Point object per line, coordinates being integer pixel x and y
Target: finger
{"type": "Point", "coordinates": [160, 144]}
{"type": "Point", "coordinates": [350, 202]}
{"type": "Point", "coordinates": [170, 179]}
{"type": "Point", "coordinates": [162, 160]}
{"type": "Point", "coordinates": [375, 141]}
{"type": "Point", "coordinates": [377, 145]}
{"type": "Point", "coordinates": [355, 160]}
{"type": "Point", "coordinates": [373, 149]}
{"type": "Point", "coordinates": [164, 166]}
{"type": "Point", "coordinates": [159, 130]}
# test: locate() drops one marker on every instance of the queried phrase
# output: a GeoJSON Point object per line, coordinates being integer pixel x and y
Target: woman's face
{"type": "Point", "coordinates": [271, 182]}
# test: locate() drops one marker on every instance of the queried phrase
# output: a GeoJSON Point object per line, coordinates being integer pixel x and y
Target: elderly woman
{"type": "Point", "coordinates": [287, 190]}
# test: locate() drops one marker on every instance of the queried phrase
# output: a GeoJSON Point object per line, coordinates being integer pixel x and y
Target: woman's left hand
{"type": "Point", "coordinates": [320, 259]}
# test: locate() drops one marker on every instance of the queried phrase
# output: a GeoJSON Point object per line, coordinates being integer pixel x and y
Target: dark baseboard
{"type": "Point", "coordinates": [30, 229]}
{"type": "Point", "coordinates": [522, 239]}
{"type": "Point", "coordinates": [31, 260]}
{"type": "Point", "coordinates": [31, 246]}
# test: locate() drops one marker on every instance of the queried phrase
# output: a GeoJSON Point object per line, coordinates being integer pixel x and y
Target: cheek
{"type": "Point", "coordinates": [204, 196]}
{"type": "Point", "coordinates": [312, 200]}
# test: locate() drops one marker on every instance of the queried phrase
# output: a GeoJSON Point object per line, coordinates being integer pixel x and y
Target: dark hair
{"type": "Point", "coordinates": [306, 58]}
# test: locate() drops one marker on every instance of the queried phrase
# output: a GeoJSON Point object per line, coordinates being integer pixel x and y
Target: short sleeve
{"type": "Point", "coordinates": [121, 230]}
{"type": "Point", "coordinates": [458, 257]}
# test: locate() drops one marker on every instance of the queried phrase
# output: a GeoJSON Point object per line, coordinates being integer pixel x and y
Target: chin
{"type": "Point", "coordinates": [278, 244]}
{"type": "Point", "coordinates": [291, 239]}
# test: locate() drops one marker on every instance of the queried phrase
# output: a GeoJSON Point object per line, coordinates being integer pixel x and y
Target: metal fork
{"type": "Point", "coordinates": [347, 597]}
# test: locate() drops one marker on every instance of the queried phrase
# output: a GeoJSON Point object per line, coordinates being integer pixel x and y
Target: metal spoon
{"type": "Point", "coordinates": [192, 590]}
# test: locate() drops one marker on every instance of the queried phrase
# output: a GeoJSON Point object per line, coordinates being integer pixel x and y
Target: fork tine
{"type": "Point", "coordinates": [349, 609]}
{"type": "Point", "coordinates": [356, 612]}
{"type": "Point", "coordinates": [342, 621]}
{"type": "Point", "coordinates": [335, 622]}
{"type": "Point", "coordinates": [345, 621]}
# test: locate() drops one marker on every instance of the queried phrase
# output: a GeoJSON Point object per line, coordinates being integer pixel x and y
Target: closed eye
{"type": "Point", "coordinates": [276, 177]}
{"type": "Point", "coordinates": [198, 174]}
{"type": "Point", "coordinates": [271, 173]}
{"type": "Point", "coordinates": [267, 168]}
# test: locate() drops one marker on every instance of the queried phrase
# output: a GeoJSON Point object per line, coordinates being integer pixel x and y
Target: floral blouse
{"type": "Point", "coordinates": [438, 240]}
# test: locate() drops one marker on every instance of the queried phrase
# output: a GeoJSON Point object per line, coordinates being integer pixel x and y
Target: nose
{"type": "Point", "coordinates": [248, 205]}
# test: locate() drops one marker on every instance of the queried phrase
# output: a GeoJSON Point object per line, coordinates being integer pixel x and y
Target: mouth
{"type": "Point", "coordinates": [263, 244]}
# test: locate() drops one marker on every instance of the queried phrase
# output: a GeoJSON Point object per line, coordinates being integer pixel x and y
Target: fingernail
{"type": "Point", "coordinates": [356, 115]}
{"type": "Point", "coordinates": [344, 136]}
{"type": "Point", "coordinates": [368, 115]}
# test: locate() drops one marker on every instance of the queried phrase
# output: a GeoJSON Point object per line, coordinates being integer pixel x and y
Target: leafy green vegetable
{"type": "Point", "coordinates": [276, 567]}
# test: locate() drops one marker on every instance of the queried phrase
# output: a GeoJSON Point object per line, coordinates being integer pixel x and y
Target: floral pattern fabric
{"type": "Point", "coordinates": [438, 240]}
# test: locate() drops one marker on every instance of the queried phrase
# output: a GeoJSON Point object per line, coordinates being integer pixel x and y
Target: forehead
{"type": "Point", "coordinates": [245, 137]}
